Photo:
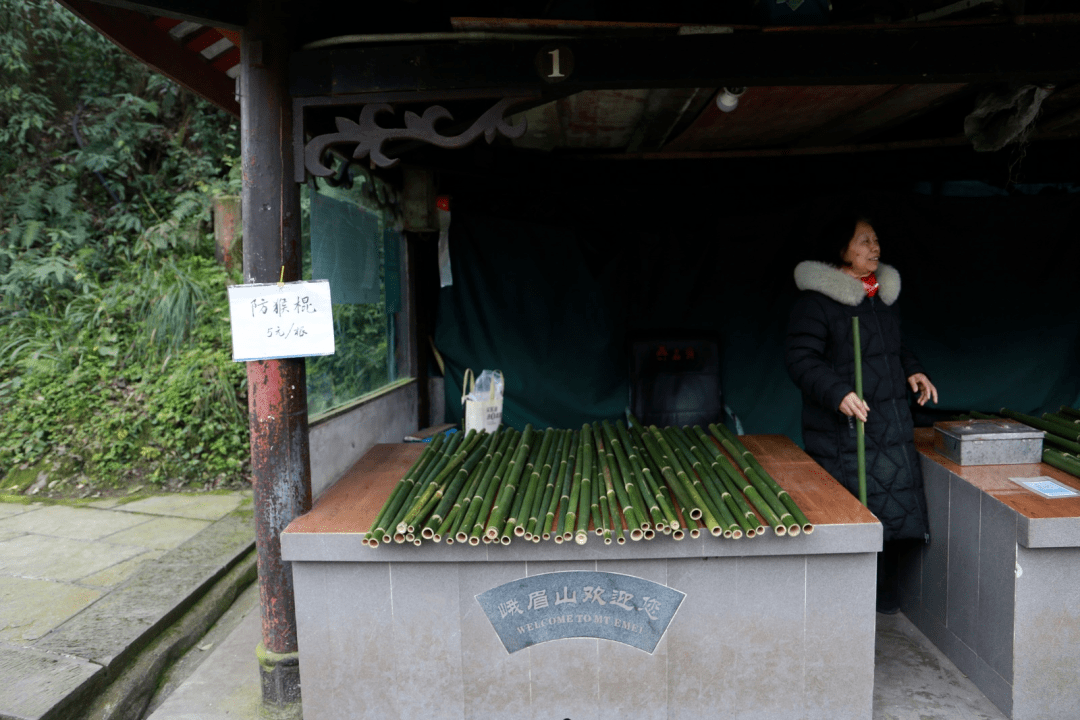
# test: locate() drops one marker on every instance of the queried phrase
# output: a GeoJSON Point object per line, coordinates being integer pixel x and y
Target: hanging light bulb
{"type": "Point", "coordinates": [728, 100]}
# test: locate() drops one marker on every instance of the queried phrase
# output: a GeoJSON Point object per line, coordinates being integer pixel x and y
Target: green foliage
{"type": "Point", "coordinates": [115, 359]}
{"type": "Point", "coordinates": [359, 364]}
{"type": "Point", "coordinates": [115, 355]}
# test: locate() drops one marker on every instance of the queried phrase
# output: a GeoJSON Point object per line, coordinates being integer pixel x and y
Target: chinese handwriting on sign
{"type": "Point", "coordinates": [281, 320]}
{"type": "Point", "coordinates": [298, 306]}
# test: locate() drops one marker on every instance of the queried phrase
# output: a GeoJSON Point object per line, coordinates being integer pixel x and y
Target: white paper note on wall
{"type": "Point", "coordinates": [271, 321]}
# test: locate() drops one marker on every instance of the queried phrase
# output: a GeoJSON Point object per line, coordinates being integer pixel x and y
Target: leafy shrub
{"type": "Point", "coordinates": [115, 361]}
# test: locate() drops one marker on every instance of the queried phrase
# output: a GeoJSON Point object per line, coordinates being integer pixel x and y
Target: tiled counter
{"type": "Point", "coordinates": [997, 587]}
{"type": "Point", "coordinates": [775, 627]}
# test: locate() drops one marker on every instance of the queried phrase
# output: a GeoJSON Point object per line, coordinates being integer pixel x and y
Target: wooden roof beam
{"type": "Point", "coordinates": [962, 53]}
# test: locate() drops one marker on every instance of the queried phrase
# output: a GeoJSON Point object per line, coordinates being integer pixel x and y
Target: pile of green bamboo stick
{"type": "Point", "coordinates": [616, 480]}
{"type": "Point", "coordinates": [1062, 434]}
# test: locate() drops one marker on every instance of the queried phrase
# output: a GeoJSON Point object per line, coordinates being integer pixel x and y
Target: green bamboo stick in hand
{"type": "Point", "coordinates": [860, 441]}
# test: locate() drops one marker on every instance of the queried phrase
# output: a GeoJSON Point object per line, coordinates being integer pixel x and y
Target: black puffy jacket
{"type": "Point", "coordinates": [820, 358]}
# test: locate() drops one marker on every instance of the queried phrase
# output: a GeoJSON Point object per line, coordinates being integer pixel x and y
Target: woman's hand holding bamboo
{"type": "Point", "coordinates": [853, 406]}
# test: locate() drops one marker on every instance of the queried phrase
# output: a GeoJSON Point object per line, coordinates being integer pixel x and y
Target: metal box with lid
{"type": "Point", "coordinates": [988, 442]}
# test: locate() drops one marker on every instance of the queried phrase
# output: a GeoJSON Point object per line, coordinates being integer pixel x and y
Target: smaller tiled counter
{"type": "Point", "coordinates": [996, 588]}
{"type": "Point", "coordinates": [770, 627]}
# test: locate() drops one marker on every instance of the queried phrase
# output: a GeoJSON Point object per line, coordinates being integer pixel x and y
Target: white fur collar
{"type": "Point", "coordinates": [841, 287]}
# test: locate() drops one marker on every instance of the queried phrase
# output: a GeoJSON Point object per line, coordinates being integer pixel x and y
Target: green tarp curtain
{"type": "Point", "coordinates": [989, 299]}
{"type": "Point", "coordinates": [392, 267]}
{"type": "Point", "coordinates": [344, 250]}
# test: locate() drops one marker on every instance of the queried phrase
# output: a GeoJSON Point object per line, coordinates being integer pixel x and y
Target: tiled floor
{"type": "Point", "coordinates": [60, 562]}
{"type": "Point", "coordinates": [81, 584]}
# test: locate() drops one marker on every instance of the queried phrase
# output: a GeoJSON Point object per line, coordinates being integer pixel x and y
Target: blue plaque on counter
{"type": "Point", "coordinates": [554, 606]}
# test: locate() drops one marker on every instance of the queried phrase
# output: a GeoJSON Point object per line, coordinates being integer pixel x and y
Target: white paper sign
{"type": "Point", "coordinates": [271, 321]}
{"type": "Point", "coordinates": [1047, 487]}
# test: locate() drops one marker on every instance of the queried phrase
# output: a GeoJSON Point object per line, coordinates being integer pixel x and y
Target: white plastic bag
{"type": "Point", "coordinates": [483, 400]}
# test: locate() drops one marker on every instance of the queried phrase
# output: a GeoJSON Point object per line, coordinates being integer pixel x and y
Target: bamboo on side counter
{"type": "Point", "coordinates": [1062, 461]}
{"type": "Point", "coordinates": [1070, 411]}
{"type": "Point", "coordinates": [453, 489]}
{"type": "Point", "coordinates": [691, 483]}
{"type": "Point", "coordinates": [724, 522]}
{"type": "Point", "coordinates": [1059, 430]}
{"type": "Point", "coordinates": [406, 524]}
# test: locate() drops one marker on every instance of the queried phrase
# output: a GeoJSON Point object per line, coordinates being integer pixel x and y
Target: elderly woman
{"type": "Point", "coordinates": [848, 280]}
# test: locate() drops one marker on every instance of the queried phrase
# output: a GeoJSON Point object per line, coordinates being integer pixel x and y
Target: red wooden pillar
{"type": "Point", "coordinates": [277, 391]}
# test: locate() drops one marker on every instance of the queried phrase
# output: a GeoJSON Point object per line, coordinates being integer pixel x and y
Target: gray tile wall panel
{"type": "Point", "coordinates": [1017, 636]}
{"type": "Point", "coordinates": [703, 640]}
{"type": "Point", "coordinates": [839, 637]}
{"type": "Point", "coordinates": [997, 577]}
{"type": "Point", "coordinates": [962, 655]}
{"type": "Point", "coordinates": [564, 675]}
{"type": "Point", "coordinates": [353, 673]}
{"type": "Point", "coordinates": [997, 689]}
{"type": "Point", "coordinates": [736, 648]}
{"type": "Point", "coordinates": [493, 680]}
{"type": "Point", "coordinates": [963, 601]}
{"type": "Point", "coordinates": [935, 557]}
{"type": "Point", "coordinates": [931, 627]}
{"type": "Point", "coordinates": [769, 613]}
{"type": "Point", "coordinates": [633, 683]}
{"type": "Point", "coordinates": [427, 634]}
{"type": "Point", "coordinates": [1046, 674]}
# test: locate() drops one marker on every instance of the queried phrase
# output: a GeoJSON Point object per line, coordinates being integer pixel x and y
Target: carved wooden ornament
{"type": "Point", "coordinates": [369, 136]}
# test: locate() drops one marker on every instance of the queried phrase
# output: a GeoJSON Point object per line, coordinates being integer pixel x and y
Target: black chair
{"type": "Point", "coordinates": [675, 379]}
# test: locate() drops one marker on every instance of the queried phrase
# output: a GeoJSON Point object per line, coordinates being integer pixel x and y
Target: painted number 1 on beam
{"type": "Point", "coordinates": [555, 63]}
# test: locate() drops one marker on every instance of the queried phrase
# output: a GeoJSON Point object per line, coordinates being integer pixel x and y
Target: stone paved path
{"type": "Point", "coordinates": [83, 587]}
